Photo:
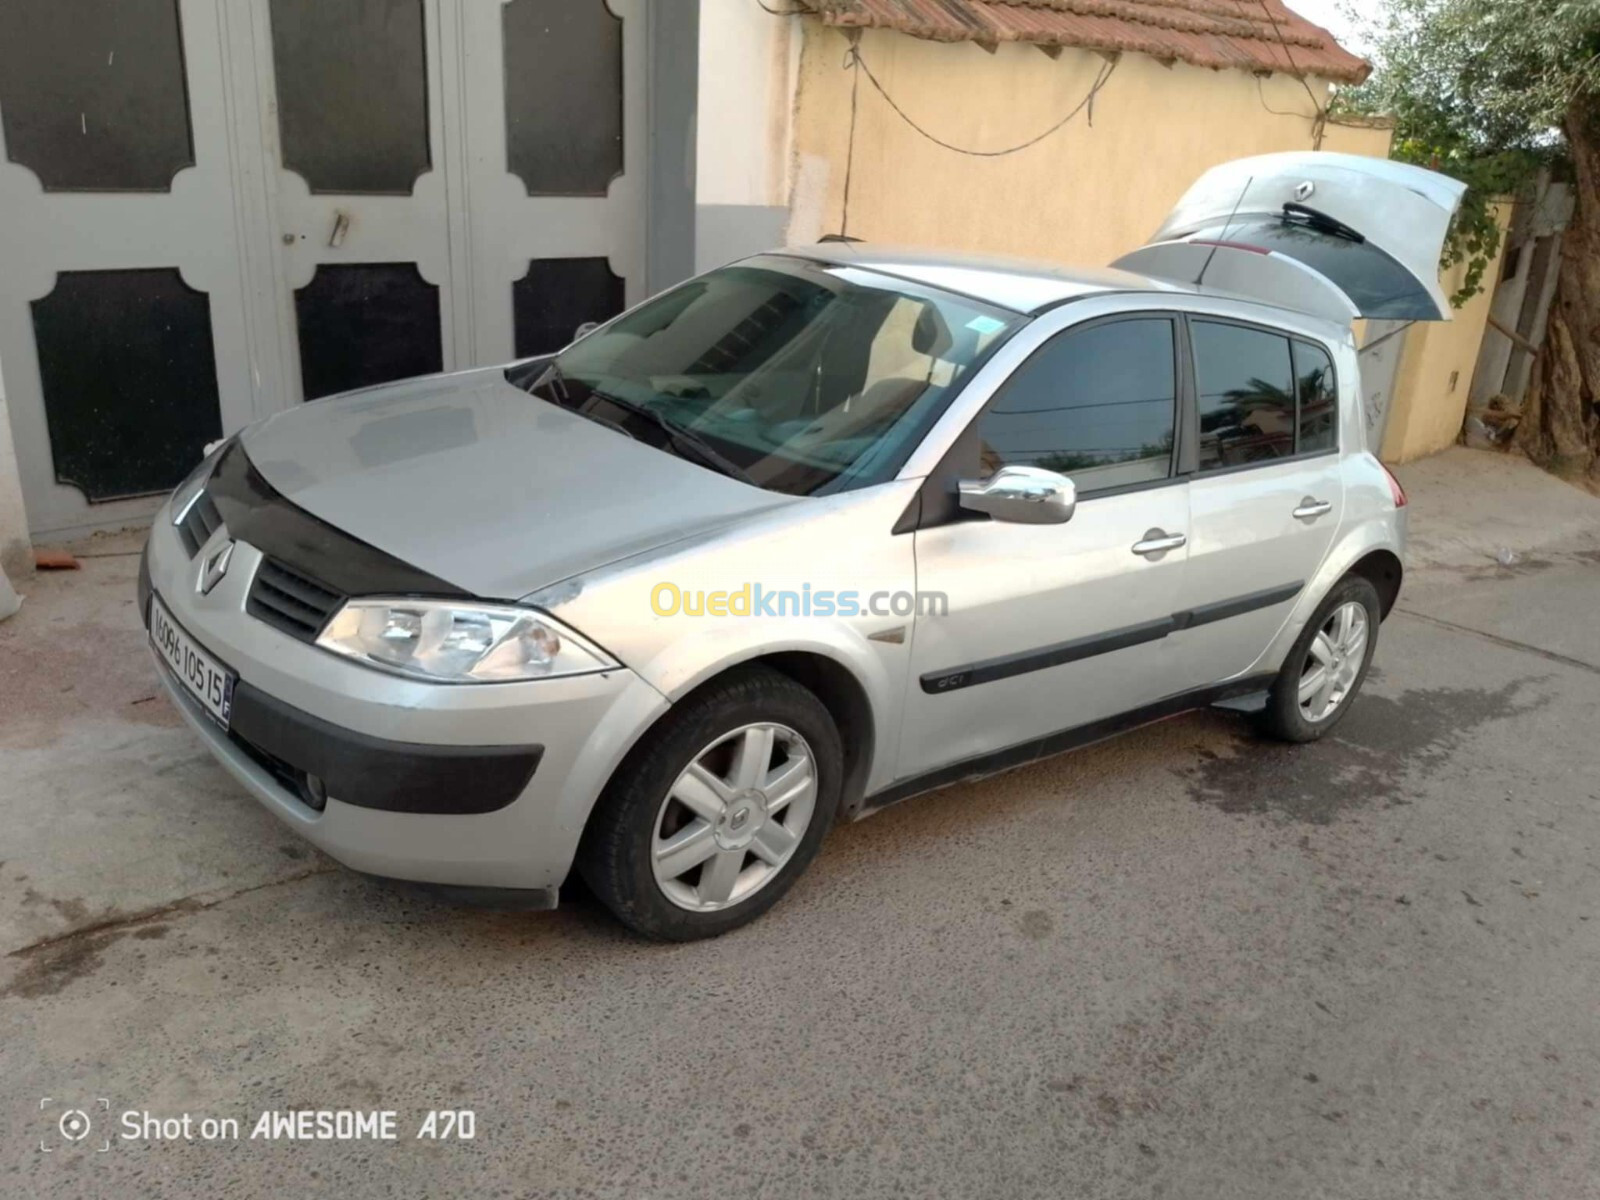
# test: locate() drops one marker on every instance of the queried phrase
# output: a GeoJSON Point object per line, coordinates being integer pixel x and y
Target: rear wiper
{"type": "Point", "coordinates": [682, 438]}
{"type": "Point", "coordinates": [1295, 213]}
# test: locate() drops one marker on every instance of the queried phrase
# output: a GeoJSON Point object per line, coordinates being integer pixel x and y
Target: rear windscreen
{"type": "Point", "coordinates": [1379, 286]}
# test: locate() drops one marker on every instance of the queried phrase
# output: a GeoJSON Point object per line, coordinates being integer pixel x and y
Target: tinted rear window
{"type": "Point", "coordinates": [1376, 283]}
{"type": "Point", "coordinates": [1319, 398]}
{"type": "Point", "coordinates": [1245, 382]}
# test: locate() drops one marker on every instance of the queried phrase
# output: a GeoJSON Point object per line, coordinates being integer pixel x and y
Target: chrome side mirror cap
{"type": "Point", "coordinates": [1022, 495]}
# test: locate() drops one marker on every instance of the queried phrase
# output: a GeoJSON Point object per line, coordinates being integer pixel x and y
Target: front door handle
{"type": "Point", "coordinates": [1156, 542]}
{"type": "Point", "coordinates": [1311, 508]}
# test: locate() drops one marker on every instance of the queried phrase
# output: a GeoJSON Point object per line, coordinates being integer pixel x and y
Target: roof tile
{"type": "Point", "coordinates": [1251, 35]}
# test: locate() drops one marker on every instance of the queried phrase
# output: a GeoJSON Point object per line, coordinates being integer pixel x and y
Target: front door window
{"type": "Point", "coordinates": [1096, 404]}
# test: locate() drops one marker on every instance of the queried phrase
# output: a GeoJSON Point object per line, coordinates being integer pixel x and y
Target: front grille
{"type": "Point", "coordinates": [198, 524]}
{"type": "Point", "coordinates": [290, 602]}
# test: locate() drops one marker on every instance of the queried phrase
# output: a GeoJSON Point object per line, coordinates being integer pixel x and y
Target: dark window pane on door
{"type": "Point", "coordinates": [1319, 399]}
{"type": "Point", "coordinates": [563, 64]}
{"type": "Point", "coordinates": [1246, 388]}
{"type": "Point", "coordinates": [130, 380]}
{"type": "Point", "coordinates": [1095, 404]}
{"type": "Point", "coordinates": [93, 93]}
{"type": "Point", "coordinates": [366, 323]}
{"type": "Point", "coordinates": [559, 294]}
{"type": "Point", "coordinates": [352, 93]}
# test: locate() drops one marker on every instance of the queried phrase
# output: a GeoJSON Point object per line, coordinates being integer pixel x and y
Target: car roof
{"type": "Point", "coordinates": [1029, 286]}
{"type": "Point", "coordinates": [1020, 284]}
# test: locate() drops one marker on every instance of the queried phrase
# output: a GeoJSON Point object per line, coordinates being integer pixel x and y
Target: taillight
{"type": "Point", "coordinates": [1395, 490]}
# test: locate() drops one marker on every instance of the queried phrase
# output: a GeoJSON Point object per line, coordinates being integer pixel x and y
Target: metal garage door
{"type": "Point", "coordinates": [216, 210]}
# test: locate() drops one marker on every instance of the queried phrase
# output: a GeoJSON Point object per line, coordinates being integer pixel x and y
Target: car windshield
{"type": "Point", "coordinates": [797, 376]}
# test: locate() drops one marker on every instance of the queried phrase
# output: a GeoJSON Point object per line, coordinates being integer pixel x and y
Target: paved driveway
{"type": "Point", "coordinates": [1186, 963]}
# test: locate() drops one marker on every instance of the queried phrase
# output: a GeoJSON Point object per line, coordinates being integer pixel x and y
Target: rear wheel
{"type": "Point", "coordinates": [1327, 665]}
{"type": "Point", "coordinates": [716, 813]}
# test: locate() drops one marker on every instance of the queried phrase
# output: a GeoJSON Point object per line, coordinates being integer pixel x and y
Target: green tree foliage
{"type": "Point", "coordinates": [1485, 91]}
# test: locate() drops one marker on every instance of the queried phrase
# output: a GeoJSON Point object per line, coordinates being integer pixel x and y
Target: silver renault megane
{"type": "Point", "coordinates": [802, 537]}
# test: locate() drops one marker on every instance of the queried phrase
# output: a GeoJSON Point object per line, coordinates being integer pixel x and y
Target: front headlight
{"type": "Point", "coordinates": [448, 642]}
{"type": "Point", "coordinates": [187, 492]}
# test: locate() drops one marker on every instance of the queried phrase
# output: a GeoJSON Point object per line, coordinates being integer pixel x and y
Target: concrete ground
{"type": "Point", "coordinates": [1187, 963]}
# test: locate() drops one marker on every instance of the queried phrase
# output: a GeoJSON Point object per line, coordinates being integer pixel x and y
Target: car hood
{"type": "Point", "coordinates": [487, 487]}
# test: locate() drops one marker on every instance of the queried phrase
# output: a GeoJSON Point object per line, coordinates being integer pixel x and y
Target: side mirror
{"type": "Point", "coordinates": [1022, 495]}
{"type": "Point", "coordinates": [585, 329]}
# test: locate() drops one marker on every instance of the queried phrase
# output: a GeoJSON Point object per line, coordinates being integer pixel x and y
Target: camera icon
{"type": "Point", "coordinates": [72, 1123]}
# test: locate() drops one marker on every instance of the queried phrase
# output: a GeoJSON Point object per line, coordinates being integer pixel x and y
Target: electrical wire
{"type": "Point", "coordinates": [850, 152]}
{"type": "Point", "coordinates": [854, 60]}
{"type": "Point", "coordinates": [1319, 123]}
{"type": "Point", "coordinates": [1261, 91]}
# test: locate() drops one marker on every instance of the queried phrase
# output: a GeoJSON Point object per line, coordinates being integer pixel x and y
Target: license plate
{"type": "Point", "coordinates": [207, 680]}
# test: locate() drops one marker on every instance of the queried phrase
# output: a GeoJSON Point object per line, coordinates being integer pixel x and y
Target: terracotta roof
{"type": "Point", "coordinates": [1207, 33]}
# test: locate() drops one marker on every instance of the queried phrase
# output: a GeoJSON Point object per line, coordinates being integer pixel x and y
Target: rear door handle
{"type": "Point", "coordinates": [1311, 508]}
{"type": "Point", "coordinates": [1156, 541]}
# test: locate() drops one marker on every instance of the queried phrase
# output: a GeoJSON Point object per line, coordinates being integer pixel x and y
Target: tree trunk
{"type": "Point", "coordinates": [1560, 429]}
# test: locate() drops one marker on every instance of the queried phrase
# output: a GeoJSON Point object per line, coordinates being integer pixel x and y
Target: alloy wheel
{"type": "Point", "coordinates": [1333, 661]}
{"type": "Point", "coordinates": [734, 817]}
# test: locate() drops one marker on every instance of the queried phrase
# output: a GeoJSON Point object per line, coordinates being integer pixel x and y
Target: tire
{"type": "Point", "coordinates": [736, 820]}
{"type": "Point", "coordinates": [1292, 718]}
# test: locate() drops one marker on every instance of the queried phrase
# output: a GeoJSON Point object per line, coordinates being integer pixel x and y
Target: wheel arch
{"type": "Point", "coordinates": [843, 695]}
{"type": "Point", "coordinates": [1372, 553]}
{"type": "Point", "coordinates": [841, 692]}
{"type": "Point", "coordinates": [1382, 569]}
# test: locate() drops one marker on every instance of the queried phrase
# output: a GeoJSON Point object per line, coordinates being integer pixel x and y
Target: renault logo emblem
{"type": "Point", "coordinates": [215, 567]}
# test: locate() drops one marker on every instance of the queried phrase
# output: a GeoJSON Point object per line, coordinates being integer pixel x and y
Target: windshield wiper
{"type": "Point", "coordinates": [682, 438]}
{"type": "Point", "coordinates": [553, 374]}
{"type": "Point", "coordinates": [1312, 218]}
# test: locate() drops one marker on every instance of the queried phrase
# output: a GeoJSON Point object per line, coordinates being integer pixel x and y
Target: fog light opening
{"type": "Point", "coordinates": [314, 792]}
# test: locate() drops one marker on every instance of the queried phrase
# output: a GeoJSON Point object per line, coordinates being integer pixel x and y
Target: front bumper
{"type": "Point", "coordinates": [479, 785]}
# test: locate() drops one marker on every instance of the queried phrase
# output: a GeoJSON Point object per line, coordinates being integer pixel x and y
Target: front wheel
{"type": "Point", "coordinates": [1327, 665]}
{"type": "Point", "coordinates": [718, 810]}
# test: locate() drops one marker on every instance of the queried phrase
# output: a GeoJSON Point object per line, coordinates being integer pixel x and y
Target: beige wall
{"type": "Point", "coordinates": [1084, 195]}
{"type": "Point", "coordinates": [1431, 386]}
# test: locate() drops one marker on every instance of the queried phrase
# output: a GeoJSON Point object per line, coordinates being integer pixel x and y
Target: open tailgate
{"type": "Point", "coordinates": [1337, 235]}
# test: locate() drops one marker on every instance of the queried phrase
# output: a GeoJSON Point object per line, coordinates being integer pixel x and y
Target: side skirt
{"type": "Point", "coordinates": [1068, 739]}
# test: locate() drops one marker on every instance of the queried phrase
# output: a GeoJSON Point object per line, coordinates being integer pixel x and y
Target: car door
{"type": "Point", "coordinates": [1050, 627]}
{"type": "Point", "coordinates": [1267, 495]}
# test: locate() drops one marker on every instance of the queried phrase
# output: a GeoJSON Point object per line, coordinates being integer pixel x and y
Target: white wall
{"type": "Point", "coordinates": [16, 553]}
{"type": "Point", "coordinates": [749, 62]}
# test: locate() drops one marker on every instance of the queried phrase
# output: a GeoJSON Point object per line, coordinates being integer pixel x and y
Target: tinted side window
{"type": "Point", "coordinates": [1096, 404]}
{"type": "Point", "coordinates": [1319, 398]}
{"type": "Point", "coordinates": [1246, 392]}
